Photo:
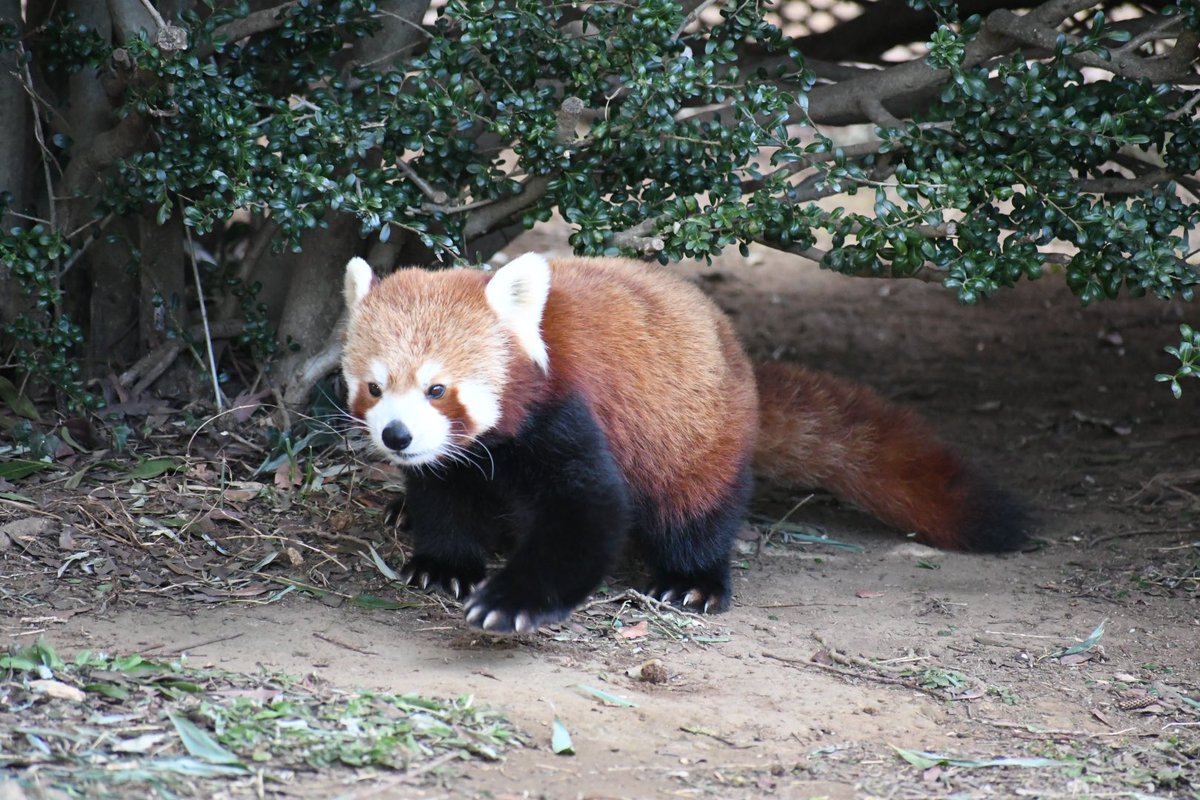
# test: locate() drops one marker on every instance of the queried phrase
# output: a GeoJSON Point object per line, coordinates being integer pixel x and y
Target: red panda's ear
{"type": "Point", "coordinates": [359, 280]}
{"type": "Point", "coordinates": [517, 294]}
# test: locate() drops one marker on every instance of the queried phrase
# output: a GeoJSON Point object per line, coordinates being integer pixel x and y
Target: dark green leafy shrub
{"type": "Point", "coordinates": [1013, 143]}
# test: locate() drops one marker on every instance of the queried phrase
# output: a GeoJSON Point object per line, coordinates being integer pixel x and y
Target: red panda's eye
{"type": "Point", "coordinates": [374, 390]}
{"type": "Point", "coordinates": [435, 392]}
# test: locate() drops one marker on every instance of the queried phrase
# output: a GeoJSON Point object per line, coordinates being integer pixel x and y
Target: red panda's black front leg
{"type": "Point", "coordinates": [453, 516]}
{"type": "Point", "coordinates": [580, 515]}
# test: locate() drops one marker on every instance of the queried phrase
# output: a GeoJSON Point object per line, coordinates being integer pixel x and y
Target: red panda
{"type": "Point", "coordinates": [579, 404]}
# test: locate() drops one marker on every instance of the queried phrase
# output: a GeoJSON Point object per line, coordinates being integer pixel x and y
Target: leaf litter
{"type": "Point", "coordinates": [132, 725]}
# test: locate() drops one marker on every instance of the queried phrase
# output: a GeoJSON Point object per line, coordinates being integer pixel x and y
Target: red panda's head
{"type": "Point", "coordinates": [428, 354]}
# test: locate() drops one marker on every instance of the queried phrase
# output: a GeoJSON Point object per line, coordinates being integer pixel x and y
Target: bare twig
{"type": "Point", "coordinates": [1032, 32]}
{"type": "Point", "coordinates": [693, 15]}
{"type": "Point", "coordinates": [218, 396]}
{"type": "Point", "coordinates": [639, 238]}
{"type": "Point", "coordinates": [1144, 532]}
{"type": "Point", "coordinates": [433, 195]}
{"type": "Point", "coordinates": [176, 651]}
{"type": "Point", "coordinates": [253, 23]}
{"type": "Point", "coordinates": [849, 151]}
{"type": "Point", "coordinates": [344, 645]}
{"type": "Point", "coordinates": [846, 673]}
{"type": "Point", "coordinates": [38, 135]}
{"type": "Point", "coordinates": [1045, 732]}
{"type": "Point", "coordinates": [150, 366]}
{"type": "Point", "coordinates": [158, 20]}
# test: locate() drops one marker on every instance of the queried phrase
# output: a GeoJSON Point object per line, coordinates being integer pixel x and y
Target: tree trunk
{"type": "Point", "coordinates": [16, 157]}
{"type": "Point", "coordinates": [314, 302]}
{"type": "Point", "coordinates": [113, 320]}
{"type": "Point", "coordinates": [162, 295]}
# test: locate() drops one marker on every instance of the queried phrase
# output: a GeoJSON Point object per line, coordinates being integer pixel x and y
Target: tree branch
{"type": "Point", "coordinates": [130, 17]}
{"type": "Point", "coordinates": [487, 217]}
{"type": "Point", "coordinates": [1029, 31]}
{"type": "Point", "coordinates": [903, 89]}
{"type": "Point", "coordinates": [254, 23]}
{"type": "Point", "coordinates": [886, 24]}
{"type": "Point", "coordinates": [105, 149]}
{"type": "Point", "coordinates": [1117, 185]}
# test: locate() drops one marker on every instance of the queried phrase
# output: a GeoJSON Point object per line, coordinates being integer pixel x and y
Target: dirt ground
{"type": "Point", "coordinates": [831, 658]}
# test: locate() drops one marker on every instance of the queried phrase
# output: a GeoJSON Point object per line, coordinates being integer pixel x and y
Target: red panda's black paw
{"type": "Point", "coordinates": [493, 609]}
{"type": "Point", "coordinates": [693, 599]}
{"type": "Point", "coordinates": [425, 573]}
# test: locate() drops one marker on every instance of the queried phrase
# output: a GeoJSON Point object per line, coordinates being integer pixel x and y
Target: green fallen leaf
{"type": "Point", "coordinates": [1086, 644]}
{"type": "Point", "coordinates": [611, 699]}
{"type": "Point", "coordinates": [796, 533]}
{"type": "Point", "coordinates": [382, 566]}
{"type": "Point", "coordinates": [18, 498]}
{"type": "Point", "coordinates": [926, 760]}
{"type": "Point", "coordinates": [560, 739]}
{"type": "Point", "coordinates": [35, 656]}
{"type": "Point", "coordinates": [199, 743]}
{"type": "Point", "coordinates": [153, 467]}
{"type": "Point", "coordinates": [18, 468]}
{"type": "Point", "coordinates": [193, 768]}
{"type": "Point", "coordinates": [113, 691]}
{"type": "Point", "coordinates": [20, 404]}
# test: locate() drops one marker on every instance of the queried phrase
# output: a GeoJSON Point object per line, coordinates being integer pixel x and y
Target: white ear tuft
{"type": "Point", "coordinates": [359, 279]}
{"type": "Point", "coordinates": [517, 293]}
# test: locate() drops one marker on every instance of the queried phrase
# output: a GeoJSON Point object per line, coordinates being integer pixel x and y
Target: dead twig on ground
{"type": "Point", "coordinates": [343, 645]}
{"type": "Point", "coordinates": [846, 673]}
{"type": "Point", "coordinates": [1144, 532]}
{"type": "Point", "coordinates": [1041, 733]}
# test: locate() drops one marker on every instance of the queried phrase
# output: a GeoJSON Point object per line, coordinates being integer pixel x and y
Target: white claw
{"type": "Point", "coordinates": [492, 619]}
{"type": "Point", "coordinates": [693, 598]}
{"type": "Point", "coordinates": [668, 596]}
{"type": "Point", "coordinates": [709, 603]}
{"type": "Point", "coordinates": [523, 623]}
{"type": "Point", "coordinates": [474, 613]}
{"type": "Point", "coordinates": [424, 580]}
{"type": "Point", "coordinates": [455, 588]}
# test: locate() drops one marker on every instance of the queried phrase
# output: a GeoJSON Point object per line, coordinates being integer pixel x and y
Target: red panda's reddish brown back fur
{"type": "Point", "coordinates": [663, 370]}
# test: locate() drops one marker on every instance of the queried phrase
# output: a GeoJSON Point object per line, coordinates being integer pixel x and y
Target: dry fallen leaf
{"type": "Point", "coordinates": [634, 631]}
{"type": "Point", "coordinates": [58, 690]}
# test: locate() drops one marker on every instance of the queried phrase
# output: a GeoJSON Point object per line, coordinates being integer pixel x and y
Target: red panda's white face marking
{"type": "Point", "coordinates": [425, 430]}
{"type": "Point", "coordinates": [427, 353]}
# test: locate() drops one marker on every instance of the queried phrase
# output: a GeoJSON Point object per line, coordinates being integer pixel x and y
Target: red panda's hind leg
{"type": "Point", "coordinates": [689, 559]}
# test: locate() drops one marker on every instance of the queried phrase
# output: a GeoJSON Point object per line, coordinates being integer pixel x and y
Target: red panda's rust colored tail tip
{"type": "Point", "coordinates": [819, 430]}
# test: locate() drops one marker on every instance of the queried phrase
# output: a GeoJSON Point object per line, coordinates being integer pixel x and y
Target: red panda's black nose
{"type": "Point", "coordinates": [396, 436]}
